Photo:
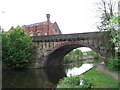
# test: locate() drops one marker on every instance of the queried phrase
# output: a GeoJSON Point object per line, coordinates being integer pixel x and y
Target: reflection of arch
{"type": "Point", "coordinates": [53, 74]}
{"type": "Point", "coordinates": [58, 52]}
{"type": "Point", "coordinates": [38, 78]}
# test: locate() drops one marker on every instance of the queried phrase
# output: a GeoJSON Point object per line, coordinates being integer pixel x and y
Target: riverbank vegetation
{"type": "Point", "coordinates": [110, 22]}
{"type": "Point", "coordinates": [74, 82]}
{"type": "Point", "coordinates": [17, 47]}
{"type": "Point", "coordinates": [92, 79]}
{"type": "Point", "coordinates": [114, 65]}
{"type": "Point", "coordinates": [1, 46]}
{"type": "Point", "coordinates": [73, 56]}
{"type": "Point", "coordinates": [92, 55]}
{"type": "Point", "coordinates": [77, 55]}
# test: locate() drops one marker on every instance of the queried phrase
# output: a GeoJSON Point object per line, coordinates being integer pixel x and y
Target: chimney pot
{"type": "Point", "coordinates": [48, 16]}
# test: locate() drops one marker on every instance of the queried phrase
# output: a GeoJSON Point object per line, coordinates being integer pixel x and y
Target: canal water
{"type": "Point", "coordinates": [41, 78]}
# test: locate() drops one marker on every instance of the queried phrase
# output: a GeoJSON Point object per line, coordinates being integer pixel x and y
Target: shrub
{"type": "Point", "coordinates": [74, 82]}
{"type": "Point", "coordinates": [73, 56]}
{"type": "Point", "coordinates": [17, 46]}
{"type": "Point", "coordinates": [113, 64]}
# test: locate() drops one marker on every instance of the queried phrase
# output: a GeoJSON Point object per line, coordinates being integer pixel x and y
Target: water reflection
{"type": "Point", "coordinates": [32, 78]}
{"type": "Point", "coordinates": [72, 65]}
{"type": "Point", "coordinates": [40, 78]}
{"type": "Point", "coordinates": [79, 70]}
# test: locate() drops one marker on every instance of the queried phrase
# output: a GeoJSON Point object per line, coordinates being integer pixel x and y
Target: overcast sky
{"type": "Point", "coordinates": [72, 16]}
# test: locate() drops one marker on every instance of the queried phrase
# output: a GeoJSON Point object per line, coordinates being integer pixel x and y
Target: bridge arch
{"type": "Point", "coordinates": [57, 46]}
{"type": "Point", "coordinates": [58, 52]}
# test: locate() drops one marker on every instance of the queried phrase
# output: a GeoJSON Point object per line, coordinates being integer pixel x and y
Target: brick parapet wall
{"type": "Point", "coordinates": [68, 37]}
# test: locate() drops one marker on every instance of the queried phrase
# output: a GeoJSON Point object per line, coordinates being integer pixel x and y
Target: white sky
{"type": "Point", "coordinates": [85, 49]}
{"type": "Point", "coordinates": [72, 16]}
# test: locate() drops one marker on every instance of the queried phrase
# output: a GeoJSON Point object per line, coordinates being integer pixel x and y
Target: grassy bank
{"type": "Point", "coordinates": [100, 79]}
{"type": "Point", "coordinates": [93, 78]}
{"type": "Point", "coordinates": [115, 71]}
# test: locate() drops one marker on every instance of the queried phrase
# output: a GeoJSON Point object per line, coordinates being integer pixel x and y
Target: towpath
{"type": "Point", "coordinates": [101, 68]}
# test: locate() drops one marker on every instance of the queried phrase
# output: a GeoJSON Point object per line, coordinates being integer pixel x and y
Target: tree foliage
{"type": "Point", "coordinates": [73, 56]}
{"type": "Point", "coordinates": [17, 46]}
{"type": "Point", "coordinates": [106, 9]}
{"type": "Point", "coordinates": [1, 44]}
{"type": "Point", "coordinates": [1, 30]}
{"type": "Point", "coordinates": [114, 64]}
{"type": "Point", "coordinates": [109, 21]}
{"type": "Point", "coordinates": [93, 54]}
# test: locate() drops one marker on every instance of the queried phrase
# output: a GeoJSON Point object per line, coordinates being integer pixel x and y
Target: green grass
{"type": "Point", "coordinates": [112, 70]}
{"type": "Point", "coordinates": [100, 79]}
{"type": "Point", "coordinates": [97, 78]}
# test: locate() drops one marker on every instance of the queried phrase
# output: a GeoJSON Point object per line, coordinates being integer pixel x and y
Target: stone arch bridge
{"type": "Point", "coordinates": [51, 49]}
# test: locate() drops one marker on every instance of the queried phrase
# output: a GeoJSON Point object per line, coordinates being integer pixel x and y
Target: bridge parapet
{"type": "Point", "coordinates": [67, 37]}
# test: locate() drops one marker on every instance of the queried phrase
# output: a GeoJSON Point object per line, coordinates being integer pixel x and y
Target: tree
{"type": "Point", "coordinates": [74, 55]}
{"type": "Point", "coordinates": [109, 21]}
{"type": "Point", "coordinates": [106, 9]}
{"type": "Point", "coordinates": [17, 46]}
{"type": "Point", "coordinates": [78, 54]}
{"type": "Point", "coordinates": [1, 30]}
{"type": "Point", "coordinates": [116, 33]}
{"type": "Point", "coordinates": [94, 54]}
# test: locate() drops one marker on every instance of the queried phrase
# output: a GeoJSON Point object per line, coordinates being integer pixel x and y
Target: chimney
{"type": "Point", "coordinates": [48, 16]}
{"type": "Point", "coordinates": [48, 21]}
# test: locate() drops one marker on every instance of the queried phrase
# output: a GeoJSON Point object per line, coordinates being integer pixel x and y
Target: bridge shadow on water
{"type": "Point", "coordinates": [32, 78]}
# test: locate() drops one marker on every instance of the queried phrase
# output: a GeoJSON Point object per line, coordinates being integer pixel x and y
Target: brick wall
{"type": "Point", "coordinates": [43, 28]}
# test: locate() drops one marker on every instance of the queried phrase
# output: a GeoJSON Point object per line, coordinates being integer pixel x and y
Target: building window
{"type": "Point", "coordinates": [55, 30]}
{"type": "Point", "coordinates": [45, 33]}
{"type": "Point", "coordinates": [38, 33]}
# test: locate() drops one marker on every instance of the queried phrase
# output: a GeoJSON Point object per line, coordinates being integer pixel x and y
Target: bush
{"type": "Point", "coordinates": [73, 56]}
{"type": "Point", "coordinates": [113, 64]}
{"type": "Point", "coordinates": [17, 46]}
{"type": "Point", "coordinates": [74, 82]}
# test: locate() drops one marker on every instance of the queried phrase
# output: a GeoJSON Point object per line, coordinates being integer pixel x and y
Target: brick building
{"type": "Point", "coordinates": [43, 28]}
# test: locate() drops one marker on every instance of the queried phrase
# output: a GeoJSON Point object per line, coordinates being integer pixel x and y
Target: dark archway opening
{"type": "Point", "coordinates": [57, 55]}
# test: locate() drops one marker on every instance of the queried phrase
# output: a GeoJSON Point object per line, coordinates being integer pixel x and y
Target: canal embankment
{"type": "Point", "coordinates": [94, 78]}
{"type": "Point", "coordinates": [101, 67]}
